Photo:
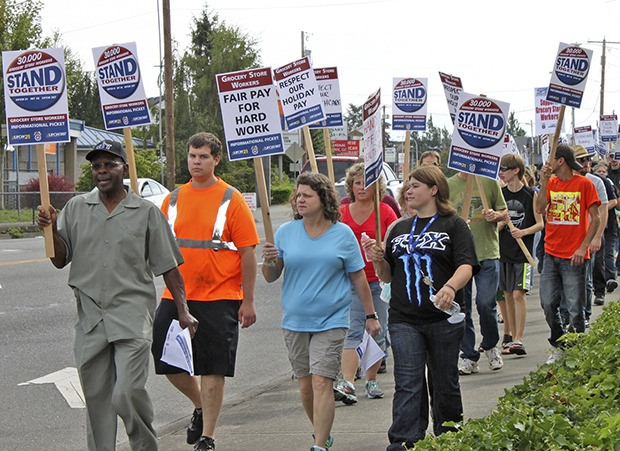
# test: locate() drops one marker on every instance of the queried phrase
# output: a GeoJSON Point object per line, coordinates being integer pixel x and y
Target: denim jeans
{"type": "Point", "coordinates": [561, 280]}
{"type": "Point", "coordinates": [611, 241]}
{"type": "Point", "coordinates": [414, 347]}
{"type": "Point", "coordinates": [357, 319]}
{"type": "Point", "coordinates": [487, 284]}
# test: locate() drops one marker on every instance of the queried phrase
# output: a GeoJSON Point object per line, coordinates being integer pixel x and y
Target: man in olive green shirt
{"type": "Point", "coordinates": [483, 225]}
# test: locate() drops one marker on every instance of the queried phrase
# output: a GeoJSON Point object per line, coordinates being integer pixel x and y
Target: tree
{"type": "Point", "coordinates": [514, 128]}
{"type": "Point", "coordinates": [20, 28]}
{"type": "Point", "coordinates": [354, 117]}
{"type": "Point", "coordinates": [216, 48]}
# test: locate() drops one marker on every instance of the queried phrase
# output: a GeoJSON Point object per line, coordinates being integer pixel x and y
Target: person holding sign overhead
{"type": "Point", "coordinates": [428, 259]}
{"type": "Point", "coordinates": [359, 215]}
{"type": "Point", "coordinates": [321, 259]}
{"type": "Point", "coordinates": [115, 242]}
{"type": "Point", "coordinates": [215, 230]}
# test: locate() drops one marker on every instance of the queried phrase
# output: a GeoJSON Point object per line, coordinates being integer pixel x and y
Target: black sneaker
{"type": "Point", "coordinates": [205, 444]}
{"type": "Point", "coordinates": [611, 285]}
{"type": "Point", "coordinates": [194, 430]}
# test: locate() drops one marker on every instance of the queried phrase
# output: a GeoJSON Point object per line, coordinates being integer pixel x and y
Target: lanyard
{"type": "Point", "coordinates": [413, 243]}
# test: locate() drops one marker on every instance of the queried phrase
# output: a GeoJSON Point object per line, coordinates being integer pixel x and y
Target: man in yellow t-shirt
{"type": "Point", "coordinates": [216, 233]}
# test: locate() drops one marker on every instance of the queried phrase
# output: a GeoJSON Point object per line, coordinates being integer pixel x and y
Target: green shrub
{"type": "Point", "coordinates": [573, 404]}
{"type": "Point", "coordinates": [15, 232]}
{"type": "Point", "coordinates": [280, 194]}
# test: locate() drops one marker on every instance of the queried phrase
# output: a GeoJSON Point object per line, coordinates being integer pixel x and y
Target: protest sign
{"type": "Point", "coordinates": [329, 90]}
{"type": "Point", "coordinates": [249, 107]}
{"type": "Point", "coordinates": [510, 146]}
{"type": "Point", "coordinates": [37, 111]}
{"type": "Point", "coordinates": [545, 147]}
{"type": "Point", "coordinates": [584, 136]}
{"type": "Point", "coordinates": [373, 139]}
{"type": "Point", "coordinates": [346, 147]}
{"type": "Point", "coordinates": [409, 103]}
{"type": "Point", "coordinates": [547, 113]}
{"type": "Point", "coordinates": [478, 138]}
{"type": "Point", "coordinates": [569, 75]}
{"type": "Point", "coordinates": [299, 94]}
{"type": "Point", "coordinates": [35, 88]}
{"type": "Point", "coordinates": [121, 89]}
{"type": "Point", "coordinates": [452, 87]}
{"type": "Point", "coordinates": [608, 128]}
{"type": "Point", "coordinates": [373, 151]}
{"type": "Point", "coordinates": [369, 353]}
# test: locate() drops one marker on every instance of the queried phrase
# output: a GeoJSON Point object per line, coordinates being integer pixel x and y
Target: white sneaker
{"type": "Point", "coordinates": [495, 359]}
{"type": "Point", "coordinates": [467, 366]}
{"type": "Point", "coordinates": [555, 355]}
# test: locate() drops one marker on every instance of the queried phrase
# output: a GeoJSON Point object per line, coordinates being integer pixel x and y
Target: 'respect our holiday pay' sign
{"type": "Point", "coordinates": [249, 105]}
{"type": "Point", "coordinates": [35, 96]}
{"type": "Point", "coordinates": [478, 137]}
{"type": "Point", "coordinates": [452, 87]}
{"type": "Point", "coordinates": [299, 94]}
{"type": "Point", "coordinates": [121, 90]}
{"type": "Point", "coordinates": [373, 139]}
{"type": "Point", "coordinates": [409, 103]}
{"type": "Point", "coordinates": [569, 75]}
{"type": "Point", "coordinates": [329, 89]}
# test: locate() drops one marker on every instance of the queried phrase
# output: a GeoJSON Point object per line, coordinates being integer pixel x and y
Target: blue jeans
{"type": "Point", "coordinates": [357, 319]}
{"type": "Point", "coordinates": [561, 280]}
{"type": "Point", "coordinates": [414, 347]}
{"type": "Point", "coordinates": [487, 283]}
{"type": "Point", "coordinates": [611, 241]}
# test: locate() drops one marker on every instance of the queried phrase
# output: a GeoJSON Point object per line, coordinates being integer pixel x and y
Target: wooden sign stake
{"type": "Point", "coordinates": [131, 160]}
{"type": "Point", "coordinates": [328, 155]}
{"type": "Point", "coordinates": [45, 198]}
{"type": "Point", "coordinates": [310, 149]}
{"type": "Point", "coordinates": [264, 199]}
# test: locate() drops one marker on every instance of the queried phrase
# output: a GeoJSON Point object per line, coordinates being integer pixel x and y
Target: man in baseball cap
{"type": "Point", "coordinates": [570, 203]}
{"type": "Point", "coordinates": [113, 147]}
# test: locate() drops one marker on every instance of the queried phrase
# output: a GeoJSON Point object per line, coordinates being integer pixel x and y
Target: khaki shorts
{"type": "Point", "coordinates": [317, 353]}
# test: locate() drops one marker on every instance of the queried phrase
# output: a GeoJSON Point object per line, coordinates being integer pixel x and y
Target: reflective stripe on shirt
{"type": "Point", "coordinates": [218, 228]}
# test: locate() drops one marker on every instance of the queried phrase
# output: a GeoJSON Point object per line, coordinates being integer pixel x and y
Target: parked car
{"type": "Point", "coordinates": [149, 189]}
{"type": "Point", "coordinates": [341, 164]}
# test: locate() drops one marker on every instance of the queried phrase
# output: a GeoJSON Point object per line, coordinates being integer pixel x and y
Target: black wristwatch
{"type": "Point", "coordinates": [372, 316]}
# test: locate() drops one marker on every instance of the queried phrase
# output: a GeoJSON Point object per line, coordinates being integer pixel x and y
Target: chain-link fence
{"type": "Point", "coordinates": [22, 204]}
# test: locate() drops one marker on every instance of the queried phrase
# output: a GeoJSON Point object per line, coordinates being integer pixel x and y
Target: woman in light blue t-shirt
{"type": "Point", "coordinates": [321, 259]}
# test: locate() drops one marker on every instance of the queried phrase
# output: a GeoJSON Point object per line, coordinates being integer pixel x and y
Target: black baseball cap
{"type": "Point", "coordinates": [109, 146]}
{"type": "Point", "coordinates": [564, 151]}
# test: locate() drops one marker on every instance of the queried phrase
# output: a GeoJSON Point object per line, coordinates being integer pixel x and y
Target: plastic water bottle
{"type": "Point", "coordinates": [365, 238]}
{"type": "Point", "coordinates": [454, 310]}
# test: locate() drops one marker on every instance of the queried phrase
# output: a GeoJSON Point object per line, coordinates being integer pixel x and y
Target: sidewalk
{"type": "Point", "coordinates": [272, 417]}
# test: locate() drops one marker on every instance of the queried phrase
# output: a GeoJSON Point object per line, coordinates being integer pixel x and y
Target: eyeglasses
{"type": "Point", "coordinates": [106, 164]}
{"type": "Point", "coordinates": [583, 159]}
{"type": "Point", "coordinates": [505, 168]}
{"type": "Point", "coordinates": [428, 163]}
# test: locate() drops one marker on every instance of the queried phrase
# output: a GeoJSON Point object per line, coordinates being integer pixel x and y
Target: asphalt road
{"type": "Point", "coordinates": [37, 314]}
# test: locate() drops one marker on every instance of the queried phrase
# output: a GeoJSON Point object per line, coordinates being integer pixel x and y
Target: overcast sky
{"type": "Point", "coordinates": [502, 49]}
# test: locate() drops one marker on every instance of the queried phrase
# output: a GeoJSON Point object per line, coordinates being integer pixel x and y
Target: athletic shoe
{"type": "Point", "coordinates": [205, 444]}
{"type": "Point", "coordinates": [611, 285]}
{"type": "Point", "coordinates": [467, 366]}
{"type": "Point", "coordinates": [194, 430]}
{"type": "Point", "coordinates": [556, 354]}
{"type": "Point", "coordinates": [495, 359]}
{"type": "Point", "coordinates": [373, 390]}
{"type": "Point", "coordinates": [345, 391]}
{"type": "Point", "coordinates": [599, 300]}
{"type": "Point", "coordinates": [328, 443]}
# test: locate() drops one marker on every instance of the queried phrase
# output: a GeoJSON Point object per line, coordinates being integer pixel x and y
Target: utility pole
{"type": "Point", "coordinates": [169, 96]}
{"type": "Point", "coordinates": [603, 58]}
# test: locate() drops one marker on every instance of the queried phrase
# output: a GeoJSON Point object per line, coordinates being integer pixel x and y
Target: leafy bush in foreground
{"type": "Point", "coordinates": [573, 404]}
